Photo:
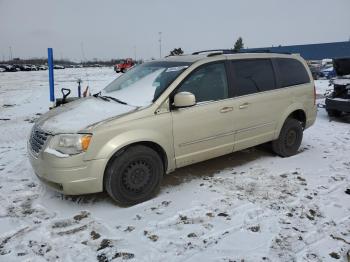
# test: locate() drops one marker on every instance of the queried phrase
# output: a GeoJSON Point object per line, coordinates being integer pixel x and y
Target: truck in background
{"type": "Point", "coordinates": [124, 65]}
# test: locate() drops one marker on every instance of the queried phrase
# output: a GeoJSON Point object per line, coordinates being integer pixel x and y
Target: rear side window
{"type": "Point", "coordinates": [291, 72]}
{"type": "Point", "coordinates": [253, 76]}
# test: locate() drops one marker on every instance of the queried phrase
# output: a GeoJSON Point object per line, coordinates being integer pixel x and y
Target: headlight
{"type": "Point", "coordinates": [70, 144]}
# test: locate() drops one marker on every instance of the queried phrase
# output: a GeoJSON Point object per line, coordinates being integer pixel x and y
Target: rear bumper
{"type": "Point", "coordinates": [71, 175]}
{"type": "Point", "coordinates": [342, 105]}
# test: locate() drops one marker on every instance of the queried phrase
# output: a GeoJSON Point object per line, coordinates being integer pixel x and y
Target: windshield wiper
{"type": "Point", "coordinates": [114, 99]}
{"type": "Point", "coordinates": [108, 98]}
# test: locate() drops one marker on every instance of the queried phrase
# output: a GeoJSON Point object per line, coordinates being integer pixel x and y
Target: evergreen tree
{"type": "Point", "coordinates": [239, 44]}
{"type": "Point", "coordinates": [176, 51]}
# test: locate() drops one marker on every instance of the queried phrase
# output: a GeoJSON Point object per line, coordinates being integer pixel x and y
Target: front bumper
{"type": "Point", "coordinates": [342, 105]}
{"type": "Point", "coordinates": [71, 176]}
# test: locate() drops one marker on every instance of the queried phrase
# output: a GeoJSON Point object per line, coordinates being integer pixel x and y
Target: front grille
{"type": "Point", "coordinates": [37, 140]}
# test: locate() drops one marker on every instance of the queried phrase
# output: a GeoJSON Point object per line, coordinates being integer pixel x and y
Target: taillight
{"type": "Point", "coordinates": [314, 94]}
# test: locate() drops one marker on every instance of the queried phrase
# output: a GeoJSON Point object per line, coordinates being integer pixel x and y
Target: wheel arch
{"type": "Point", "coordinates": [300, 115]}
{"type": "Point", "coordinates": [297, 112]}
{"type": "Point", "coordinates": [151, 144]}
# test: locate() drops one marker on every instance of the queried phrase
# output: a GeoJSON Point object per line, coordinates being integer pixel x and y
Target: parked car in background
{"type": "Point", "coordinates": [327, 62]}
{"type": "Point", "coordinates": [170, 113]}
{"type": "Point", "coordinates": [58, 67]}
{"type": "Point", "coordinates": [124, 65]}
{"type": "Point", "coordinates": [34, 68]}
{"type": "Point", "coordinates": [3, 68]}
{"type": "Point", "coordinates": [42, 67]}
{"type": "Point", "coordinates": [17, 67]}
{"type": "Point", "coordinates": [327, 72]}
{"type": "Point", "coordinates": [10, 68]}
{"type": "Point", "coordinates": [315, 67]}
{"type": "Point", "coordinates": [338, 101]}
{"type": "Point", "coordinates": [26, 68]}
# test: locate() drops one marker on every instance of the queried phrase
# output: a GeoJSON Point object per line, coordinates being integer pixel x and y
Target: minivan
{"type": "Point", "coordinates": [169, 113]}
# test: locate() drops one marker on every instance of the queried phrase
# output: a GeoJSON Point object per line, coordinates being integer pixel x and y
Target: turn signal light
{"type": "Point", "coordinates": [85, 142]}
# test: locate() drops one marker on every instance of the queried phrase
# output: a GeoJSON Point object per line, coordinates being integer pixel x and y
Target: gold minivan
{"type": "Point", "coordinates": [169, 113]}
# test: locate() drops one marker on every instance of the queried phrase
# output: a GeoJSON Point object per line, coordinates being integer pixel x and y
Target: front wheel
{"type": "Point", "coordinates": [289, 139]}
{"type": "Point", "coordinates": [134, 176]}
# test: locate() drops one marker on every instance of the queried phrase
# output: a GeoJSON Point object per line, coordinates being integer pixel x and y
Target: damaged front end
{"type": "Point", "coordinates": [338, 101]}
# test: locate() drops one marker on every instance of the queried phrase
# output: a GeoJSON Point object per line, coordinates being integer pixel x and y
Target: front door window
{"type": "Point", "coordinates": [208, 83]}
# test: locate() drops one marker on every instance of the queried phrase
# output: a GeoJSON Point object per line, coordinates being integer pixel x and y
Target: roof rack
{"type": "Point", "coordinates": [218, 51]}
{"type": "Point", "coordinates": [214, 52]}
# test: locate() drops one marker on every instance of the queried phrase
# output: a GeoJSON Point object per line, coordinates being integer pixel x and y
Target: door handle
{"type": "Point", "coordinates": [245, 105]}
{"type": "Point", "coordinates": [226, 109]}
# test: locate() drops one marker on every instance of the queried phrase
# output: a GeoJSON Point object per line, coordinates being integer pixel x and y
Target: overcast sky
{"type": "Point", "coordinates": [112, 28]}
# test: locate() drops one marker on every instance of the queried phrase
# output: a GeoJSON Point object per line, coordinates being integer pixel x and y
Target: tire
{"type": "Point", "coordinates": [289, 139]}
{"type": "Point", "coordinates": [333, 113]}
{"type": "Point", "coordinates": [123, 70]}
{"type": "Point", "coordinates": [134, 176]}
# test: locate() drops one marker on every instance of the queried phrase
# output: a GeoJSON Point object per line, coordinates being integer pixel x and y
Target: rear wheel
{"type": "Point", "coordinates": [289, 139]}
{"type": "Point", "coordinates": [134, 176]}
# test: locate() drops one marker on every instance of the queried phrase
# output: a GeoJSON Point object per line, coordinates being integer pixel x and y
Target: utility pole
{"type": "Point", "coordinates": [82, 53]}
{"type": "Point", "coordinates": [160, 44]}
{"type": "Point", "coordinates": [10, 54]}
{"type": "Point", "coordinates": [135, 53]}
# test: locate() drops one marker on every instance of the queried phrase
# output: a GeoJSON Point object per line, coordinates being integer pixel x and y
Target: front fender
{"type": "Point", "coordinates": [127, 138]}
{"type": "Point", "coordinates": [113, 145]}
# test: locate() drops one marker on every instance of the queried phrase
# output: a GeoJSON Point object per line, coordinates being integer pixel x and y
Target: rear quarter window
{"type": "Point", "coordinates": [291, 72]}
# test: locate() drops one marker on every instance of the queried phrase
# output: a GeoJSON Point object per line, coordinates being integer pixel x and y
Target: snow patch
{"type": "Point", "coordinates": [55, 152]}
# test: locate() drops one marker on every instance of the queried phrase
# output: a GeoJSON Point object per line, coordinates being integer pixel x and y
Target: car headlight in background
{"type": "Point", "coordinates": [70, 144]}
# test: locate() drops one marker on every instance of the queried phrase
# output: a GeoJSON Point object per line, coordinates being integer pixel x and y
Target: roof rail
{"type": "Point", "coordinates": [263, 51]}
{"type": "Point", "coordinates": [222, 51]}
{"type": "Point", "coordinates": [214, 52]}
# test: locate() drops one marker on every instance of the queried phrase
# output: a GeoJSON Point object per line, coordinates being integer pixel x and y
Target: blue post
{"type": "Point", "coordinates": [51, 78]}
{"type": "Point", "coordinates": [79, 89]}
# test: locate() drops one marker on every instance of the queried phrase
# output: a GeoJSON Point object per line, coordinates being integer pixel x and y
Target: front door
{"type": "Point", "coordinates": [205, 130]}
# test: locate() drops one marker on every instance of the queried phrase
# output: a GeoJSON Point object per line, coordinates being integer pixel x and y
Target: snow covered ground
{"type": "Point", "coordinates": [246, 206]}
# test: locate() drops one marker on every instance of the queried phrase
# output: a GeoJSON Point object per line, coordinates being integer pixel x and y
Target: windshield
{"type": "Point", "coordinates": [143, 84]}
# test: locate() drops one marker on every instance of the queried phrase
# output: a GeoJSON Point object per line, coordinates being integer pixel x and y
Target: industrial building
{"type": "Point", "coordinates": [312, 51]}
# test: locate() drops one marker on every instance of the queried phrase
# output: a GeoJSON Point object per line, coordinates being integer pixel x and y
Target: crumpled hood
{"type": "Point", "coordinates": [79, 114]}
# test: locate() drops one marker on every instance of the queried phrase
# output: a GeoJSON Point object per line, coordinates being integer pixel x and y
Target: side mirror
{"type": "Point", "coordinates": [184, 99]}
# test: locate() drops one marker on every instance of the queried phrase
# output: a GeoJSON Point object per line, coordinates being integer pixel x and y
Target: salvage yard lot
{"type": "Point", "coordinates": [249, 205]}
